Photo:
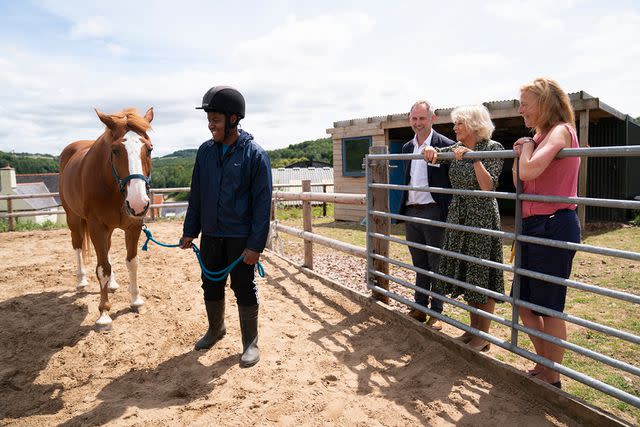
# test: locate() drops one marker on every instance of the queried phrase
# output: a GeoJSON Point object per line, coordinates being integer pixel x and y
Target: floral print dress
{"type": "Point", "coordinates": [472, 211]}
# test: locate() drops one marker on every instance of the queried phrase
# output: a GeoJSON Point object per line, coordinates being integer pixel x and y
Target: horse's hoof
{"type": "Point", "coordinates": [113, 286]}
{"type": "Point", "coordinates": [82, 286]}
{"type": "Point", "coordinates": [103, 323]}
{"type": "Point", "coordinates": [137, 308]}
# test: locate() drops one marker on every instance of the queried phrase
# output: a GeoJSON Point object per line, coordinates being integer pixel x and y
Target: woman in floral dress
{"type": "Point", "coordinates": [473, 128]}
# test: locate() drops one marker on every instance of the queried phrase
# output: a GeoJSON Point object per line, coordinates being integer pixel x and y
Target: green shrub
{"type": "Point", "coordinates": [30, 225]}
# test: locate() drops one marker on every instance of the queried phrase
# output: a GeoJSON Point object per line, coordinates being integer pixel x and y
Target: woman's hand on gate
{"type": "Point", "coordinates": [430, 154]}
{"type": "Point", "coordinates": [185, 242]}
{"type": "Point", "coordinates": [459, 152]}
{"type": "Point", "coordinates": [251, 257]}
{"type": "Point", "coordinates": [517, 146]}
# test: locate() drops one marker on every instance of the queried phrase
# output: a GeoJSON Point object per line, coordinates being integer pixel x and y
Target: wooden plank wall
{"type": "Point", "coordinates": [352, 184]}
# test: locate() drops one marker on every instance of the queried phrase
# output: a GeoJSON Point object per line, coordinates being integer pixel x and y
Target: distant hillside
{"type": "Point", "coordinates": [174, 170]}
{"type": "Point", "coordinates": [317, 150]}
{"type": "Point", "coordinates": [29, 163]}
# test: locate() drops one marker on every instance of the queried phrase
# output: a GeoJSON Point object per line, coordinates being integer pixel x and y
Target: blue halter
{"type": "Point", "coordinates": [122, 183]}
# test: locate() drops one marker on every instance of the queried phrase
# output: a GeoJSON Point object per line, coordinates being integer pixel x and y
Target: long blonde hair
{"type": "Point", "coordinates": [553, 103]}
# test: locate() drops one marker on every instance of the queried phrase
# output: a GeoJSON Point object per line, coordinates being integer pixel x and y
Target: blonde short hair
{"type": "Point", "coordinates": [553, 102]}
{"type": "Point", "coordinates": [476, 118]}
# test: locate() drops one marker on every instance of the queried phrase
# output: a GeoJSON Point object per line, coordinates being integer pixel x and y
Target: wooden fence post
{"type": "Point", "coordinates": [306, 222]}
{"type": "Point", "coordinates": [153, 200]}
{"type": "Point", "coordinates": [12, 220]}
{"type": "Point", "coordinates": [324, 204]}
{"type": "Point", "coordinates": [379, 170]}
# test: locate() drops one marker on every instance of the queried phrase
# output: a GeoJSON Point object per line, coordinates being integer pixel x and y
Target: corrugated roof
{"type": "Point", "coordinates": [36, 188]}
{"type": "Point", "coordinates": [491, 105]}
{"type": "Point", "coordinates": [296, 175]}
{"type": "Point", "coordinates": [51, 180]}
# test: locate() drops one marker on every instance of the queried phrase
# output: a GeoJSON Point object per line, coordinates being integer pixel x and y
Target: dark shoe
{"type": "Point", "coordinates": [217, 329]}
{"type": "Point", "coordinates": [418, 315]}
{"type": "Point", "coordinates": [249, 328]}
{"type": "Point", "coordinates": [434, 324]}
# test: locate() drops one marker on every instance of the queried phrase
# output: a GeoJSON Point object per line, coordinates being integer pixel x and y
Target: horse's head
{"type": "Point", "coordinates": [130, 154]}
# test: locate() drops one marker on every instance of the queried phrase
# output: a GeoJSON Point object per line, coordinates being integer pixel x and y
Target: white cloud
{"type": "Point", "coordinates": [116, 49]}
{"type": "Point", "coordinates": [93, 27]}
{"type": "Point", "coordinates": [300, 73]}
{"type": "Point", "coordinates": [304, 43]}
{"type": "Point", "coordinates": [533, 16]}
{"type": "Point", "coordinates": [471, 63]}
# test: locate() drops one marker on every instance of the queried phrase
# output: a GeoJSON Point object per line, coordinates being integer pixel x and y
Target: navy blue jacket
{"type": "Point", "coordinates": [438, 176]}
{"type": "Point", "coordinates": [231, 194]}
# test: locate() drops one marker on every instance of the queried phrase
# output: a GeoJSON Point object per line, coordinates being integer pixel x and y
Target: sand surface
{"type": "Point", "coordinates": [325, 359]}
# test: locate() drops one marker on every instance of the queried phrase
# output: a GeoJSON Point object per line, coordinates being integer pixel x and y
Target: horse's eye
{"type": "Point", "coordinates": [114, 151]}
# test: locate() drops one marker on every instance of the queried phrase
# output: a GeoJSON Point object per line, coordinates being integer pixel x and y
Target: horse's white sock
{"type": "Point", "coordinates": [81, 273]}
{"type": "Point", "coordinates": [132, 266]}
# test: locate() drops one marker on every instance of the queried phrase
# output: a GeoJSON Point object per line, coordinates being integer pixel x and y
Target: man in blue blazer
{"type": "Point", "coordinates": [420, 204]}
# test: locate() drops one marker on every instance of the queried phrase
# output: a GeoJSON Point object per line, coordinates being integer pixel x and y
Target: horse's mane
{"type": "Point", "coordinates": [130, 118]}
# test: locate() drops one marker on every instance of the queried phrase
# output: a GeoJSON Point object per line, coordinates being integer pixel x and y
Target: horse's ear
{"type": "Point", "coordinates": [148, 116]}
{"type": "Point", "coordinates": [106, 119]}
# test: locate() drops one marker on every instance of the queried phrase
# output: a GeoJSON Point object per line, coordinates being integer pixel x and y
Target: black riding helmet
{"type": "Point", "coordinates": [225, 100]}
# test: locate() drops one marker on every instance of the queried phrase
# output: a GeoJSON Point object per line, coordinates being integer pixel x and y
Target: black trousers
{"type": "Point", "coordinates": [426, 235]}
{"type": "Point", "coordinates": [217, 253]}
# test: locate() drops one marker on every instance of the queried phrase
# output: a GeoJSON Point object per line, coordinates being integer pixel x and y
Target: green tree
{"type": "Point", "coordinates": [320, 150]}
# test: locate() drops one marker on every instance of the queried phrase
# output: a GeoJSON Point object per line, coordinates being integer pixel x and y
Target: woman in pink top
{"type": "Point", "coordinates": [546, 109]}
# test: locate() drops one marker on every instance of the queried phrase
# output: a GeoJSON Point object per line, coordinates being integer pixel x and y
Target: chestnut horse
{"type": "Point", "coordinates": [104, 185]}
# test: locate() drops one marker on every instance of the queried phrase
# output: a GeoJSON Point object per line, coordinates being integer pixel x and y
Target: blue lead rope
{"type": "Point", "coordinates": [215, 276]}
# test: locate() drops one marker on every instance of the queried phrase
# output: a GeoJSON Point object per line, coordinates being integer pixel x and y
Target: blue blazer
{"type": "Point", "coordinates": [438, 176]}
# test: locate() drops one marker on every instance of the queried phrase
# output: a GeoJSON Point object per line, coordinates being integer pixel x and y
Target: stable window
{"type": "Point", "coordinates": [353, 152]}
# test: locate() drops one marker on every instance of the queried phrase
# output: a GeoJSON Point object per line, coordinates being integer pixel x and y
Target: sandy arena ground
{"type": "Point", "coordinates": [325, 359]}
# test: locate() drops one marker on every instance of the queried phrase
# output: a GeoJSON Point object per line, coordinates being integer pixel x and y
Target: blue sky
{"type": "Point", "coordinates": [300, 65]}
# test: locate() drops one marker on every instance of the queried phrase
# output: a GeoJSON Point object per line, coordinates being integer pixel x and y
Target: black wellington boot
{"type": "Point", "coordinates": [249, 328]}
{"type": "Point", "coordinates": [217, 329]}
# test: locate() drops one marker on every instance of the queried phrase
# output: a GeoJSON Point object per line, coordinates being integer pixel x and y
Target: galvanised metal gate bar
{"type": "Point", "coordinates": [511, 345]}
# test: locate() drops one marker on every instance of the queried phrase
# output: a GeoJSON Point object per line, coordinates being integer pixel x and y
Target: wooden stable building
{"type": "Point", "coordinates": [598, 125]}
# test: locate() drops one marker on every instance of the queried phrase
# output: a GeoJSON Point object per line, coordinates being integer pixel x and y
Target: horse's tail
{"type": "Point", "coordinates": [86, 244]}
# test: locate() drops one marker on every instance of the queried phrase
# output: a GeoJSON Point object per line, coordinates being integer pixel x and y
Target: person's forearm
{"type": "Point", "coordinates": [483, 176]}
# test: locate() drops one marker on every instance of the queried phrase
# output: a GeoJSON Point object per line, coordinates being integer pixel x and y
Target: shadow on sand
{"type": "Point", "coordinates": [33, 328]}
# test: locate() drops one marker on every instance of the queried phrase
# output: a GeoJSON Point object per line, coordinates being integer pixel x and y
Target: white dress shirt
{"type": "Point", "coordinates": [419, 174]}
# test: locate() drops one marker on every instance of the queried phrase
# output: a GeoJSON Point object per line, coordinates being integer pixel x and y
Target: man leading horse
{"type": "Point", "coordinates": [229, 205]}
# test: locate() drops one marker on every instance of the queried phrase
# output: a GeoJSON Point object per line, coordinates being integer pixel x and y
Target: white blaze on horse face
{"type": "Point", "coordinates": [136, 188]}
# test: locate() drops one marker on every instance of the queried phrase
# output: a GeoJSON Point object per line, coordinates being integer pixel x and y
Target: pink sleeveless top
{"type": "Point", "coordinates": [560, 178]}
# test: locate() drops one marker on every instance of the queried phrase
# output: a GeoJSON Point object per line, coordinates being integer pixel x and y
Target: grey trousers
{"type": "Point", "coordinates": [426, 235]}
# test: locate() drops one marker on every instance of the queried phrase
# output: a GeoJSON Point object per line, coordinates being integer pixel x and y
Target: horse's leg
{"type": "Point", "coordinates": [100, 238]}
{"type": "Point", "coordinates": [76, 225]}
{"type": "Point", "coordinates": [113, 285]}
{"type": "Point", "coordinates": [132, 236]}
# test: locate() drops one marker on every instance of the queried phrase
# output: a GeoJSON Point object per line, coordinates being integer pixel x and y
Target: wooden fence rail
{"type": "Point", "coordinates": [307, 233]}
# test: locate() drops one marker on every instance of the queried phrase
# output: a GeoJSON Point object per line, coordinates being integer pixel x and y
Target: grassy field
{"type": "Point", "coordinates": [29, 225]}
{"type": "Point", "coordinates": [611, 273]}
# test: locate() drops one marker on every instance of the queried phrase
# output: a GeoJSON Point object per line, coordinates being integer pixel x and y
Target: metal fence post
{"type": "Point", "coordinates": [518, 258]}
{"type": "Point", "coordinates": [306, 223]}
{"type": "Point", "coordinates": [379, 201]}
{"type": "Point", "coordinates": [582, 176]}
